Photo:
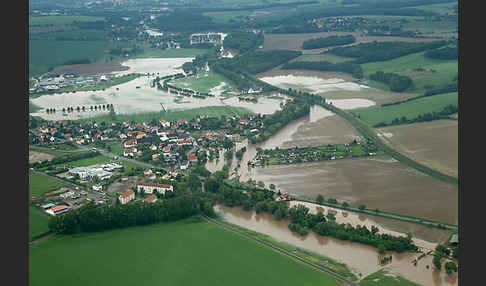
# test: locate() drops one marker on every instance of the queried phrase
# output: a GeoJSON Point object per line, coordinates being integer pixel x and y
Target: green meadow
{"type": "Point", "coordinates": [37, 223]}
{"type": "Point", "coordinates": [424, 72]}
{"type": "Point", "coordinates": [410, 109]}
{"type": "Point", "coordinates": [186, 252]}
{"type": "Point", "coordinates": [384, 278]}
{"type": "Point", "coordinates": [61, 20]}
{"type": "Point", "coordinates": [39, 184]}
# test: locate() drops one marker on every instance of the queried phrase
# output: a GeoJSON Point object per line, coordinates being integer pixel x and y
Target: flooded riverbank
{"type": "Point", "coordinates": [362, 259]}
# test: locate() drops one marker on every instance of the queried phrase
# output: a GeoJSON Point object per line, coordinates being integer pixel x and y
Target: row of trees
{"type": "Point", "coordinates": [330, 41]}
{"type": "Point", "coordinates": [429, 116]}
{"type": "Point", "coordinates": [396, 82]}
{"type": "Point", "coordinates": [383, 51]}
{"type": "Point", "coordinates": [347, 67]}
{"type": "Point", "coordinates": [91, 217]}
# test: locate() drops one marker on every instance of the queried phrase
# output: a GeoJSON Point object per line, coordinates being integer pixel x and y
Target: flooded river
{"type": "Point", "coordinates": [361, 259]}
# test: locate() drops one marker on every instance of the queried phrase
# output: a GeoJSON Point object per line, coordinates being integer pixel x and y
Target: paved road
{"type": "Point", "coordinates": [315, 266]}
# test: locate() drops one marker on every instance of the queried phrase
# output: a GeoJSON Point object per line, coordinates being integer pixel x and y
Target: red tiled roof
{"type": "Point", "coordinates": [150, 198]}
{"type": "Point", "coordinates": [59, 208]}
{"type": "Point", "coordinates": [127, 193]}
{"type": "Point", "coordinates": [148, 184]}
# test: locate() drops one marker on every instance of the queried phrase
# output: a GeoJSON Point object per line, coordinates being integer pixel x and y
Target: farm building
{"type": "Point", "coordinates": [57, 210]}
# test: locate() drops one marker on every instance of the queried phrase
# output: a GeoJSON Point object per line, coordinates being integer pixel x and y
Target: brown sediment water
{"type": "Point", "coordinates": [379, 182]}
{"type": "Point", "coordinates": [361, 259]}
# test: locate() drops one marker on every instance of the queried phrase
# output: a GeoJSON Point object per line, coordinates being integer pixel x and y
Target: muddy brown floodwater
{"type": "Point", "coordinates": [361, 259]}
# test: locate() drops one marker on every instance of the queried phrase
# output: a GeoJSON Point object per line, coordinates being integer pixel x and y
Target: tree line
{"type": "Point", "coordinates": [447, 53]}
{"type": "Point", "coordinates": [334, 40]}
{"type": "Point", "coordinates": [429, 116]}
{"type": "Point", "coordinates": [396, 82]}
{"type": "Point", "coordinates": [382, 51]}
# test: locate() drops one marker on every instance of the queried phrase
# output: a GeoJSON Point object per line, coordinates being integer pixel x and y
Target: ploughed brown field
{"type": "Point", "coordinates": [294, 41]}
{"type": "Point", "coordinates": [39, 156]}
{"type": "Point", "coordinates": [378, 182]}
{"type": "Point", "coordinates": [434, 143]}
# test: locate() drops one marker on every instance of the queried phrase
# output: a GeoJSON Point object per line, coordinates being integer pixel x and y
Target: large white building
{"type": "Point", "coordinates": [149, 188]}
{"type": "Point", "coordinates": [85, 173]}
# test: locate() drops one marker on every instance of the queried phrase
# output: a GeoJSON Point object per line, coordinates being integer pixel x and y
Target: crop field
{"type": "Point", "coordinates": [424, 142]}
{"type": "Point", "coordinates": [37, 222]}
{"type": "Point", "coordinates": [422, 70]}
{"type": "Point", "coordinates": [165, 253]}
{"type": "Point", "coordinates": [376, 114]}
{"type": "Point", "coordinates": [39, 184]}
{"type": "Point", "coordinates": [202, 82]}
{"type": "Point", "coordinates": [61, 20]}
{"type": "Point", "coordinates": [47, 54]}
{"type": "Point", "coordinates": [384, 278]}
{"type": "Point", "coordinates": [320, 58]}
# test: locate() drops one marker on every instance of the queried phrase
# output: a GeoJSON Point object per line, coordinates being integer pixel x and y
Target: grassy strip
{"type": "Point", "coordinates": [170, 115]}
{"type": "Point", "coordinates": [307, 255]}
{"type": "Point", "coordinates": [39, 184]}
{"type": "Point", "coordinates": [37, 223]}
{"type": "Point", "coordinates": [380, 278]}
{"type": "Point", "coordinates": [61, 20]}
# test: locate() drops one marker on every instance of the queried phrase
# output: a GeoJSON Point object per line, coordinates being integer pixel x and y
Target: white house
{"type": "Point", "coordinates": [97, 187]}
{"type": "Point", "coordinates": [149, 188]}
{"type": "Point", "coordinates": [126, 196]}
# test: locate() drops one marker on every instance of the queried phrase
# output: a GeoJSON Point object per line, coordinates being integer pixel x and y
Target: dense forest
{"type": "Point", "coordinates": [259, 61]}
{"type": "Point", "coordinates": [328, 42]}
{"type": "Point", "coordinates": [243, 41]}
{"type": "Point", "coordinates": [396, 82]}
{"type": "Point", "coordinates": [383, 51]}
{"type": "Point", "coordinates": [347, 67]}
{"type": "Point", "coordinates": [448, 53]}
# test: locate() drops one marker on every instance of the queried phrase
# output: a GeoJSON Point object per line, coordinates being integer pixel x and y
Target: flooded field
{"type": "Point", "coordinates": [312, 83]}
{"type": "Point", "coordinates": [377, 182]}
{"type": "Point", "coordinates": [362, 259]}
{"type": "Point", "coordinates": [137, 96]}
{"type": "Point", "coordinates": [437, 147]}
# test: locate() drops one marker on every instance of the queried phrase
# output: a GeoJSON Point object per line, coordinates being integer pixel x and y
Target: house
{"type": "Point", "coordinates": [454, 240]}
{"type": "Point", "coordinates": [155, 156]}
{"type": "Point", "coordinates": [79, 141]}
{"type": "Point", "coordinates": [57, 210]}
{"type": "Point", "coordinates": [67, 194]}
{"type": "Point", "coordinates": [123, 136]}
{"type": "Point", "coordinates": [127, 196]}
{"type": "Point", "coordinates": [164, 123]}
{"type": "Point", "coordinates": [147, 172]}
{"type": "Point", "coordinates": [184, 165]}
{"type": "Point", "coordinates": [129, 152]}
{"type": "Point", "coordinates": [130, 143]}
{"type": "Point", "coordinates": [151, 176]}
{"type": "Point", "coordinates": [150, 199]}
{"type": "Point", "coordinates": [192, 157]}
{"type": "Point", "coordinates": [149, 188]}
{"type": "Point", "coordinates": [48, 206]}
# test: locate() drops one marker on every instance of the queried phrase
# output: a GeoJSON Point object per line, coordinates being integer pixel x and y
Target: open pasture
{"type": "Point", "coordinates": [39, 184]}
{"type": "Point", "coordinates": [411, 109]}
{"type": "Point", "coordinates": [62, 20]}
{"type": "Point", "coordinates": [187, 252]}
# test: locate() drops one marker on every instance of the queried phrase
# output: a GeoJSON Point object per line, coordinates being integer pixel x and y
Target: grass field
{"type": "Point", "coordinates": [384, 278]}
{"type": "Point", "coordinates": [33, 107]}
{"type": "Point", "coordinates": [61, 20]}
{"type": "Point", "coordinates": [411, 109]}
{"type": "Point", "coordinates": [188, 114]}
{"type": "Point", "coordinates": [435, 73]}
{"type": "Point", "coordinates": [202, 82]}
{"type": "Point", "coordinates": [47, 54]}
{"type": "Point", "coordinates": [37, 223]}
{"type": "Point", "coordinates": [90, 161]}
{"type": "Point", "coordinates": [39, 184]}
{"type": "Point", "coordinates": [187, 252]}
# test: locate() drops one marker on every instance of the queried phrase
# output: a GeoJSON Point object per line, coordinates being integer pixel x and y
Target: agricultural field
{"type": "Point", "coordinates": [47, 54]}
{"type": "Point", "coordinates": [39, 184]}
{"type": "Point", "coordinates": [206, 82]}
{"type": "Point", "coordinates": [166, 253]}
{"type": "Point", "coordinates": [411, 109]}
{"type": "Point", "coordinates": [385, 278]}
{"type": "Point", "coordinates": [321, 58]}
{"type": "Point", "coordinates": [430, 149]}
{"type": "Point", "coordinates": [37, 223]}
{"type": "Point", "coordinates": [61, 20]}
{"type": "Point", "coordinates": [424, 72]}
